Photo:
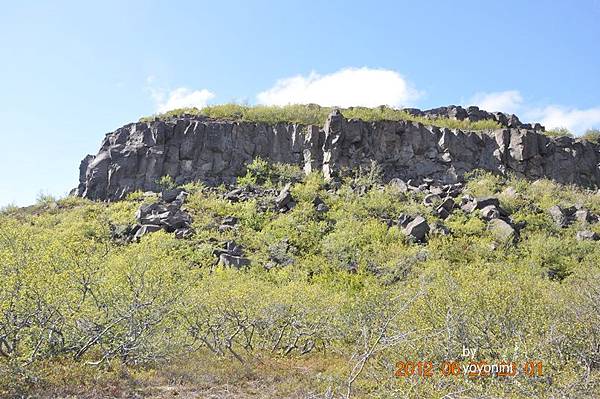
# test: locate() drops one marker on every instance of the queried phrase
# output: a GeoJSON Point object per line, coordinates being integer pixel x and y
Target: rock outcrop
{"type": "Point", "coordinates": [192, 148]}
{"type": "Point", "coordinates": [474, 114]}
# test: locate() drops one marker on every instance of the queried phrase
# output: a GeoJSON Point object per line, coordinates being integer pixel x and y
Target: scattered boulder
{"type": "Point", "coordinates": [445, 208]}
{"type": "Point", "coordinates": [170, 195]}
{"type": "Point", "coordinates": [320, 206]}
{"type": "Point", "coordinates": [490, 212]}
{"type": "Point", "coordinates": [404, 220]}
{"type": "Point", "coordinates": [228, 223]}
{"type": "Point", "coordinates": [480, 203]}
{"type": "Point", "coordinates": [237, 195]}
{"type": "Point", "coordinates": [146, 229]}
{"type": "Point", "coordinates": [399, 184]}
{"type": "Point", "coordinates": [417, 229]}
{"type": "Point", "coordinates": [562, 217]}
{"type": "Point", "coordinates": [231, 254]}
{"type": "Point", "coordinates": [123, 233]}
{"type": "Point", "coordinates": [587, 235]}
{"type": "Point", "coordinates": [431, 199]}
{"type": "Point", "coordinates": [502, 230]}
{"type": "Point", "coordinates": [167, 216]}
{"type": "Point", "coordinates": [233, 261]}
{"type": "Point", "coordinates": [284, 201]}
{"type": "Point", "coordinates": [184, 233]}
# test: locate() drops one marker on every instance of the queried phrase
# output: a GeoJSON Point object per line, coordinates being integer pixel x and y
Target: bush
{"type": "Point", "coordinates": [264, 173]}
{"type": "Point", "coordinates": [559, 132]}
{"type": "Point", "coordinates": [347, 291]}
{"type": "Point", "coordinates": [592, 135]}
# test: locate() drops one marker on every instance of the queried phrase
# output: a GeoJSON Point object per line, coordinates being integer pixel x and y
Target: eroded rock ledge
{"type": "Point", "coordinates": [135, 156]}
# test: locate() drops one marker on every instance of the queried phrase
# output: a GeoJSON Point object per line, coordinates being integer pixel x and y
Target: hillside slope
{"type": "Point", "coordinates": [284, 285]}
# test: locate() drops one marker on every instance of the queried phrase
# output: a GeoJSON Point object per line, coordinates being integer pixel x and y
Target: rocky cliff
{"type": "Point", "coordinates": [189, 148]}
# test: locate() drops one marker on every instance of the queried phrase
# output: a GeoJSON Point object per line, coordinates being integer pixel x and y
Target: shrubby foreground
{"type": "Point", "coordinates": [333, 287]}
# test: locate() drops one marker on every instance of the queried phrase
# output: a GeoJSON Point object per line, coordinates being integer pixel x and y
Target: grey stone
{"type": "Point", "coordinates": [431, 199]}
{"type": "Point", "coordinates": [584, 216]}
{"type": "Point", "coordinates": [233, 261]}
{"type": "Point", "coordinates": [184, 233]}
{"type": "Point", "coordinates": [284, 200]}
{"type": "Point", "coordinates": [146, 229]}
{"type": "Point", "coordinates": [404, 220]}
{"type": "Point", "coordinates": [562, 217]}
{"type": "Point", "coordinates": [439, 229]}
{"type": "Point", "coordinates": [490, 212]}
{"type": "Point", "coordinates": [417, 229]}
{"type": "Point", "coordinates": [228, 223]}
{"type": "Point", "coordinates": [587, 235]}
{"type": "Point", "coordinates": [399, 184]}
{"type": "Point", "coordinates": [502, 230]}
{"type": "Point", "coordinates": [170, 195]}
{"type": "Point", "coordinates": [480, 203]}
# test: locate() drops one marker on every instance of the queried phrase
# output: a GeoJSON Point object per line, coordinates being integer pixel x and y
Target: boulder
{"type": "Point", "coordinates": [233, 261]}
{"type": "Point", "coordinates": [587, 235]}
{"type": "Point", "coordinates": [431, 199]}
{"type": "Point", "coordinates": [490, 212]}
{"type": "Point", "coordinates": [445, 208]}
{"type": "Point", "coordinates": [170, 195]}
{"type": "Point", "coordinates": [320, 206]}
{"type": "Point", "coordinates": [404, 220]}
{"type": "Point", "coordinates": [399, 184]}
{"type": "Point", "coordinates": [184, 233]}
{"type": "Point", "coordinates": [502, 230]}
{"type": "Point", "coordinates": [417, 229]}
{"type": "Point", "coordinates": [562, 216]}
{"type": "Point", "coordinates": [146, 229]}
{"type": "Point", "coordinates": [439, 229]}
{"type": "Point", "coordinates": [166, 216]}
{"type": "Point", "coordinates": [284, 200]}
{"type": "Point", "coordinates": [480, 203]}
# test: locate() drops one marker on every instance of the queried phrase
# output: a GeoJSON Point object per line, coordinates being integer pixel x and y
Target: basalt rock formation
{"type": "Point", "coordinates": [474, 114]}
{"type": "Point", "coordinates": [192, 148]}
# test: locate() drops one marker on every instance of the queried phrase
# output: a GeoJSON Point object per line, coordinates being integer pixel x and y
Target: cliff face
{"type": "Point", "coordinates": [135, 156]}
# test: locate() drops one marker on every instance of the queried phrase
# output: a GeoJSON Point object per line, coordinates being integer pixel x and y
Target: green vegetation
{"type": "Point", "coordinates": [312, 114]}
{"type": "Point", "coordinates": [592, 135]}
{"type": "Point", "coordinates": [83, 315]}
{"type": "Point", "coordinates": [559, 132]}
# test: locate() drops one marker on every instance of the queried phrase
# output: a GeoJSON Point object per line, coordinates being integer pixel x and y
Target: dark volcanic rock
{"type": "Point", "coordinates": [587, 235]}
{"type": "Point", "coordinates": [188, 148]}
{"type": "Point", "coordinates": [417, 229]}
{"type": "Point", "coordinates": [562, 217]}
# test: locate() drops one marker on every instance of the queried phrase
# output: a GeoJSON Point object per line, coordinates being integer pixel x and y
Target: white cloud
{"type": "Point", "coordinates": [344, 88]}
{"type": "Point", "coordinates": [574, 119]}
{"type": "Point", "coordinates": [181, 98]}
{"type": "Point", "coordinates": [551, 116]}
{"type": "Point", "coordinates": [509, 101]}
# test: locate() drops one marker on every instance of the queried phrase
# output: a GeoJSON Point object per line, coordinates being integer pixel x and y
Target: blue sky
{"type": "Point", "coordinates": [72, 71]}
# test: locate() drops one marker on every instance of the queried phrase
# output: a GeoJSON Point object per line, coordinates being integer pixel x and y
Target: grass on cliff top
{"type": "Point", "coordinates": [312, 114]}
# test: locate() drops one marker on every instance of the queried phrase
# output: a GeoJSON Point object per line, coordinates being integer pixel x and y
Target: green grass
{"type": "Point", "coordinates": [312, 114]}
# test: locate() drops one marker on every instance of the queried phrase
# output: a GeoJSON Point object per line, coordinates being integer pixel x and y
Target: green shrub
{"type": "Point", "coordinates": [592, 135]}
{"type": "Point", "coordinates": [559, 132]}
{"type": "Point", "coordinates": [166, 183]}
{"type": "Point", "coordinates": [264, 173]}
